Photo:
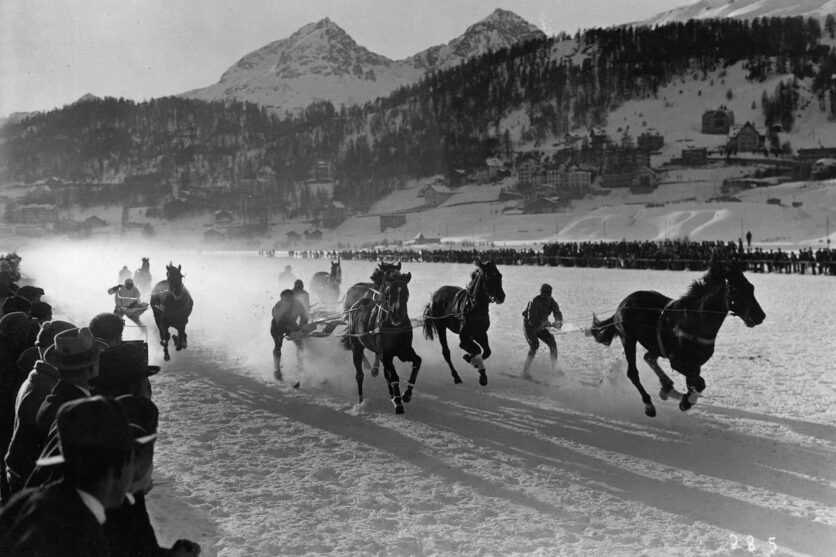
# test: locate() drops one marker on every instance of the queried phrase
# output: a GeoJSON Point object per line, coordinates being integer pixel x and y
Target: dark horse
{"type": "Point", "coordinates": [326, 286]}
{"type": "Point", "coordinates": [465, 312]}
{"type": "Point", "coordinates": [681, 330]}
{"type": "Point", "coordinates": [371, 289]}
{"type": "Point", "coordinates": [382, 325]}
{"type": "Point", "coordinates": [172, 305]}
{"type": "Point", "coordinates": [142, 276]}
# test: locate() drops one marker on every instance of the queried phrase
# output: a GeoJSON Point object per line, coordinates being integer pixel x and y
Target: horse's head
{"type": "Point", "coordinates": [490, 280]}
{"type": "Point", "coordinates": [740, 296]}
{"type": "Point", "coordinates": [394, 295]}
{"type": "Point", "coordinates": [336, 271]}
{"type": "Point", "coordinates": [174, 276]}
{"type": "Point", "coordinates": [384, 267]}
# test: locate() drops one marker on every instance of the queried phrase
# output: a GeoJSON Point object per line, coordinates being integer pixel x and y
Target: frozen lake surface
{"type": "Point", "coordinates": [559, 466]}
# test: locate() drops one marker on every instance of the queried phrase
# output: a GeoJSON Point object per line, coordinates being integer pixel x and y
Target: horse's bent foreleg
{"type": "Point", "coordinates": [445, 351]}
{"type": "Point", "coordinates": [357, 353]}
{"type": "Point", "coordinates": [696, 385]}
{"type": "Point", "coordinates": [668, 389]}
{"type": "Point", "coordinates": [164, 338]}
{"type": "Point", "coordinates": [392, 381]}
{"type": "Point", "coordinates": [473, 356]}
{"type": "Point", "coordinates": [416, 365]}
{"type": "Point", "coordinates": [633, 374]}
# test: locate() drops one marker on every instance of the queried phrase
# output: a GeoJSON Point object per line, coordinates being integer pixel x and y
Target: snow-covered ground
{"type": "Point", "coordinates": [557, 466]}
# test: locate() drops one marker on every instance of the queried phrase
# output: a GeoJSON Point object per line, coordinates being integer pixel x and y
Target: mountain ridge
{"type": "Point", "coordinates": [321, 61]}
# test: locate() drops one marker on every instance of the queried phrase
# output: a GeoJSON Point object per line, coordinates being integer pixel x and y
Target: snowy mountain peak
{"type": "Point", "coordinates": [321, 61]}
{"type": "Point", "coordinates": [744, 9]}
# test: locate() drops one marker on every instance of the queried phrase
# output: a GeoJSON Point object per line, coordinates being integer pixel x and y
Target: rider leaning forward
{"type": "Point", "coordinates": [536, 326]}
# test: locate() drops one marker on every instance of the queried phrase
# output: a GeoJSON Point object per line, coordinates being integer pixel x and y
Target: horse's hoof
{"type": "Point", "coordinates": [166, 357]}
{"type": "Point", "coordinates": [457, 380]}
{"type": "Point", "coordinates": [684, 405]}
{"type": "Point", "coordinates": [406, 397]}
{"type": "Point", "coordinates": [650, 410]}
{"type": "Point", "coordinates": [399, 410]}
{"type": "Point", "coordinates": [483, 379]}
{"type": "Point", "coordinates": [664, 393]}
{"type": "Point", "coordinates": [467, 358]}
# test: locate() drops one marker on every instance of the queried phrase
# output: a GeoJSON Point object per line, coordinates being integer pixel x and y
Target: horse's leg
{"type": "Point", "coordinates": [482, 339]}
{"type": "Point", "coordinates": [180, 341]}
{"type": "Point", "coordinates": [357, 353]}
{"type": "Point", "coordinates": [473, 354]}
{"type": "Point", "coordinates": [668, 389]}
{"type": "Point", "coordinates": [441, 329]}
{"type": "Point", "coordinates": [633, 373]}
{"type": "Point", "coordinates": [410, 356]}
{"type": "Point", "coordinates": [376, 367]}
{"type": "Point", "coordinates": [164, 336]}
{"type": "Point", "coordinates": [696, 385]}
{"type": "Point", "coordinates": [392, 381]}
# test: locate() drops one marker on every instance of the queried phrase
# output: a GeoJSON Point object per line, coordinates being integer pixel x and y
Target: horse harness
{"type": "Point", "coordinates": [678, 332]}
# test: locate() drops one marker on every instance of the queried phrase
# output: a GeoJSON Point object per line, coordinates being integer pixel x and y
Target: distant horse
{"type": "Point", "coordinates": [465, 312]}
{"type": "Point", "coordinates": [142, 276]}
{"type": "Point", "coordinates": [172, 305]}
{"type": "Point", "coordinates": [681, 330]}
{"type": "Point", "coordinates": [382, 325]}
{"type": "Point", "coordinates": [371, 289]}
{"type": "Point", "coordinates": [326, 286]}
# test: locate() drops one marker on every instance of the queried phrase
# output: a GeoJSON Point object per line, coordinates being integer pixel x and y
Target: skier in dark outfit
{"type": "Point", "coordinates": [536, 326]}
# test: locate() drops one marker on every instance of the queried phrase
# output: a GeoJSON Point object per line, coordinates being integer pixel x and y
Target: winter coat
{"type": "Point", "coordinates": [52, 520]}
{"type": "Point", "coordinates": [536, 314]}
{"type": "Point", "coordinates": [27, 440]}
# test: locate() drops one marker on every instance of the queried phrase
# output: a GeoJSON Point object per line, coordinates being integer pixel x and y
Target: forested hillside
{"type": "Point", "coordinates": [451, 119]}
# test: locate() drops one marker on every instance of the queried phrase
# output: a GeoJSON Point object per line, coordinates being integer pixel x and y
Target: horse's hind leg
{"type": "Point", "coordinates": [180, 340]}
{"type": "Point", "coordinates": [445, 351]}
{"type": "Point", "coordinates": [633, 374]}
{"type": "Point", "coordinates": [668, 389]}
{"type": "Point", "coordinates": [411, 356]}
{"type": "Point", "coordinates": [357, 353]}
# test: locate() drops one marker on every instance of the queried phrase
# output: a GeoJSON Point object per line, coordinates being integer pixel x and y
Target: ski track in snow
{"type": "Point", "coordinates": [565, 466]}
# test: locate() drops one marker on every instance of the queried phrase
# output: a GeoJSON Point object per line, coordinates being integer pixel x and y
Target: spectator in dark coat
{"type": "Point", "coordinates": [123, 366]}
{"type": "Point", "coordinates": [65, 518]}
{"type": "Point", "coordinates": [75, 354]}
{"type": "Point", "coordinates": [27, 441]}
{"type": "Point", "coordinates": [128, 528]}
{"type": "Point", "coordinates": [41, 311]}
{"type": "Point", "coordinates": [16, 303]}
{"type": "Point", "coordinates": [17, 333]}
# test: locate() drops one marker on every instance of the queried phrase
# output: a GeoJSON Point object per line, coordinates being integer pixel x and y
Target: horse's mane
{"type": "Point", "coordinates": [715, 276]}
{"type": "Point", "coordinates": [380, 272]}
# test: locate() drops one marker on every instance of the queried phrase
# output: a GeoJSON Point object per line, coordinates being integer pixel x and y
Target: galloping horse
{"type": "Point", "coordinates": [382, 325]}
{"type": "Point", "coordinates": [465, 312]}
{"type": "Point", "coordinates": [172, 305]}
{"type": "Point", "coordinates": [681, 330]}
{"type": "Point", "coordinates": [326, 286]}
{"type": "Point", "coordinates": [142, 276]}
{"type": "Point", "coordinates": [371, 289]}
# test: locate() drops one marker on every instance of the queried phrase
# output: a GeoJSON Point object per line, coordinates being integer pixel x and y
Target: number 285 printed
{"type": "Point", "coordinates": [748, 543]}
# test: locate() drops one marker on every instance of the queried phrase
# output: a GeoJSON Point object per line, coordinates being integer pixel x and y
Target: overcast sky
{"type": "Point", "coordinates": [54, 51]}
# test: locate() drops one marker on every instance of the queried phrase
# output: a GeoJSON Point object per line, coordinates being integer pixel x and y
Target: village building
{"type": "Point", "coordinates": [395, 220]}
{"type": "Point", "coordinates": [717, 122]}
{"type": "Point", "coordinates": [745, 139]}
{"type": "Point", "coordinates": [651, 141]}
{"type": "Point", "coordinates": [694, 156]}
{"type": "Point", "coordinates": [36, 213]}
{"type": "Point", "coordinates": [435, 194]}
{"type": "Point", "coordinates": [332, 214]}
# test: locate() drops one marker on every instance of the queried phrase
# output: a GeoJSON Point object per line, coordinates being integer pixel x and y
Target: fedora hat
{"type": "Point", "coordinates": [74, 349]}
{"type": "Point", "coordinates": [94, 424]}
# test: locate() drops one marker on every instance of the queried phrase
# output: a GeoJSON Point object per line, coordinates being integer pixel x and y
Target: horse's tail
{"type": "Point", "coordinates": [429, 322]}
{"type": "Point", "coordinates": [603, 331]}
{"type": "Point", "coordinates": [345, 341]}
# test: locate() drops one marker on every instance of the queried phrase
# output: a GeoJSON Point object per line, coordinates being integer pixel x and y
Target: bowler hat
{"type": "Point", "coordinates": [74, 349]}
{"type": "Point", "coordinates": [28, 291]}
{"type": "Point", "coordinates": [94, 424]}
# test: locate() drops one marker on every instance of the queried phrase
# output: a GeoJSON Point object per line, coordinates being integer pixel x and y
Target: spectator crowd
{"type": "Point", "coordinates": [77, 432]}
{"type": "Point", "coordinates": [675, 255]}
